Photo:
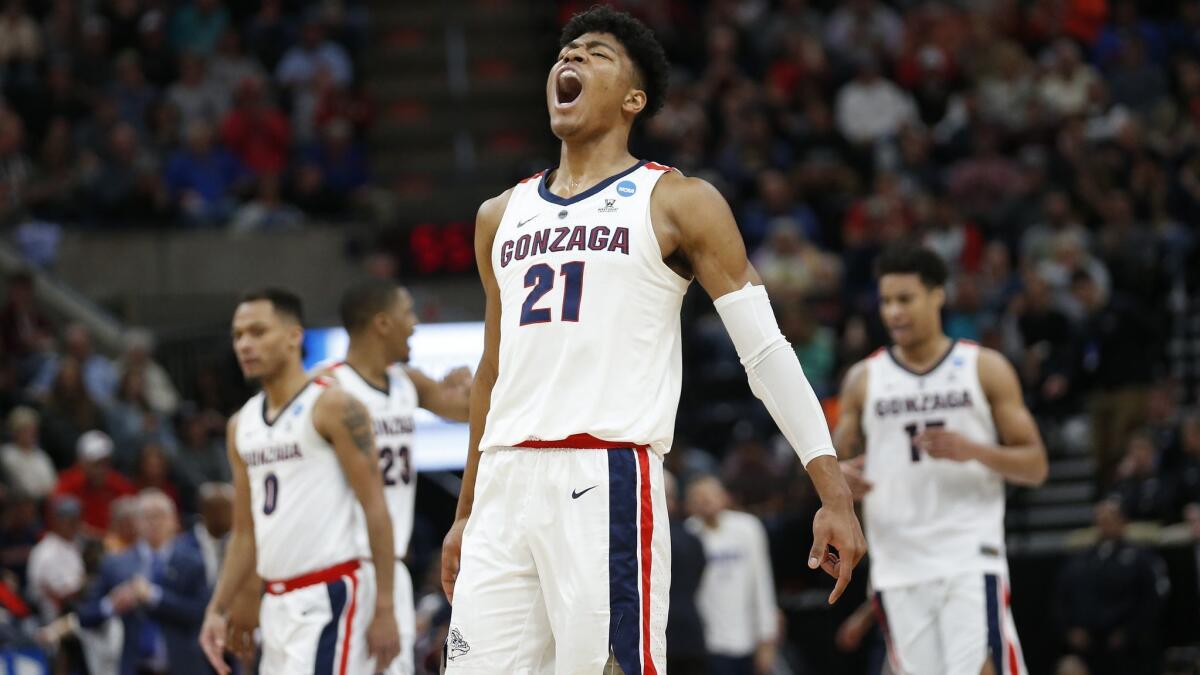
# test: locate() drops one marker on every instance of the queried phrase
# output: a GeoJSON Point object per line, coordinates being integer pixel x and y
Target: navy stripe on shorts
{"type": "Point", "coordinates": [624, 621]}
{"type": "Point", "coordinates": [327, 643]}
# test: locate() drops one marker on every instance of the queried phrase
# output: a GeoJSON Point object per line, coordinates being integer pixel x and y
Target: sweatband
{"type": "Point", "coordinates": [775, 375]}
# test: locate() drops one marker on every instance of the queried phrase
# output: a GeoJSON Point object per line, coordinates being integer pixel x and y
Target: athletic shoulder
{"type": "Point", "coordinates": [679, 193]}
{"type": "Point", "coordinates": [854, 382]}
{"type": "Point", "coordinates": [492, 210]}
{"type": "Point", "coordinates": [997, 376]}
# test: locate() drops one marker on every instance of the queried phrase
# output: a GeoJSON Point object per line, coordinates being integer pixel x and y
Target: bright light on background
{"type": "Point", "coordinates": [437, 348]}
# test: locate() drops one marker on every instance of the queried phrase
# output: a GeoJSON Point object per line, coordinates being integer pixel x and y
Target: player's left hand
{"type": "Point", "coordinates": [836, 526]}
{"type": "Point", "coordinates": [459, 378]}
{"type": "Point", "coordinates": [383, 638]}
{"type": "Point", "coordinates": [943, 444]}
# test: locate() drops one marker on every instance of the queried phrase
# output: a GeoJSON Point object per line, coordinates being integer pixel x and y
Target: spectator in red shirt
{"type": "Point", "coordinates": [256, 131]}
{"type": "Point", "coordinates": [93, 481]}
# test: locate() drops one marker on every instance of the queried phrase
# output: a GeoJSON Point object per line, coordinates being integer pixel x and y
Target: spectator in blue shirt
{"type": "Point", "coordinates": [199, 25]}
{"type": "Point", "coordinates": [301, 62]}
{"type": "Point", "coordinates": [202, 175]}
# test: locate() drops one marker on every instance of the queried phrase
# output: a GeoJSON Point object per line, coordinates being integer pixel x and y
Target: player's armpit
{"type": "Point", "coordinates": [705, 233]}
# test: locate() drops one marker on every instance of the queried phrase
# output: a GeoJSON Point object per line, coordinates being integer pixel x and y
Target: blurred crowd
{"type": "Point", "coordinates": [197, 113]}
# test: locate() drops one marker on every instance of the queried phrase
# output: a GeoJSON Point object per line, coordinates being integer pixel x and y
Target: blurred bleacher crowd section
{"type": "Point", "coordinates": [1048, 149]}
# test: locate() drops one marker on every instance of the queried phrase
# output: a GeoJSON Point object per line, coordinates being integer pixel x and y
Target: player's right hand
{"type": "Point", "coordinates": [852, 470]}
{"type": "Point", "coordinates": [212, 641]}
{"type": "Point", "coordinates": [451, 552]}
{"type": "Point", "coordinates": [383, 639]}
{"type": "Point", "coordinates": [241, 622]}
{"type": "Point", "coordinates": [838, 544]}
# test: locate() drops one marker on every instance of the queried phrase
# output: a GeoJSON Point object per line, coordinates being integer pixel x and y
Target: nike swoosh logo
{"type": "Point", "coordinates": [522, 222]}
{"type": "Point", "coordinates": [577, 495]}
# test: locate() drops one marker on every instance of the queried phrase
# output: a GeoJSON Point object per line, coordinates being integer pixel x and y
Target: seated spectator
{"type": "Point", "coordinates": [132, 94]}
{"type": "Point", "coordinates": [68, 413]}
{"type": "Point", "coordinates": [1067, 87]}
{"type": "Point", "coordinates": [24, 329]}
{"type": "Point", "coordinates": [1135, 83]}
{"type": "Point", "coordinates": [1109, 600]}
{"type": "Point", "coordinates": [1037, 242]}
{"type": "Point", "coordinates": [20, 527]}
{"type": "Point", "coordinates": [20, 41]}
{"type": "Point", "coordinates": [194, 96]}
{"type": "Point", "coordinates": [132, 422]}
{"type": "Point", "coordinates": [230, 65]}
{"type": "Point", "coordinates": [93, 481]}
{"type": "Point", "coordinates": [56, 573]}
{"type": "Point", "coordinates": [753, 477]}
{"type": "Point", "coordinates": [776, 199]}
{"type": "Point", "coordinates": [202, 176]}
{"type": "Point", "coordinates": [125, 188]}
{"type": "Point", "coordinates": [158, 590]}
{"type": "Point", "coordinates": [153, 471]}
{"type": "Point", "coordinates": [815, 345]}
{"type": "Point", "coordinates": [202, 457]}
{"type": "Point", "coordinates": [1188, 478]}
{"type": "Point", "coordinates": [54, 188]}
{"type": "Point", "coordinates": [267, 212]}
{"type": "Point", "coordinates": [1142, 492]}
{"type": "Point", "coordinates": [198, 25]}
{"type": "Point", "coordinates": [300, 63]}
{"type": "Point", "coordinates": [791, 265]}
{"type": "Point", "coordinates": [160, 392]}
{"type": "Point", "coordinates": [256, 131]}
{"type": "Point", "coordinates": [96, 370]}
{"type": "Point", "coordinates": [870, 108]}
{"type": "Point", "coordinates": [15, 167]}
{"type": "Point", "coordinates": [341, 160]}
{"type": "Point", "coordinates": [862, 28]}
{"type": "Point", "coordinates": [123, 524]}
{"type": "Point", "coordinates": [26, 466]}
{"type": "Point", "coordinates": [270, 33]}
{"type": "Point", "coordinates": [1049, 347]}
{"type": "Point", "coordinates": [737, 592]}
{"type": "Point", "coordinates": [159, 61]}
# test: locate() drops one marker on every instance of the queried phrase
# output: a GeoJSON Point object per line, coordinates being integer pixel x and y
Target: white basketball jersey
{"type": "Point", "coordinates": [392, 412]}
{"type": "Point", "coordinates": [590, 340]}
{"type": "Point", "coordinates": [929, 518]}
{"type": "Point", "coordinates": [306, 516]}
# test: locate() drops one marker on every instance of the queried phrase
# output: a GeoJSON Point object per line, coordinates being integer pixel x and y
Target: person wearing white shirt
{"type": "Point", "coordinates": [737, 592]}
{"type": "Point", "coordinates": [56, 571]}
{"type": "Point", "coordinates": [27, 467]}
{"type": "Point", "coordinates": [870, 107]}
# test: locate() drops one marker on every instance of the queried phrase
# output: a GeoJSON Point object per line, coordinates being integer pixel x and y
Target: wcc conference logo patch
{"type": "Point", "coordinates": [456, 646]}
{"type": "Point", "coordinates": [610, 206]}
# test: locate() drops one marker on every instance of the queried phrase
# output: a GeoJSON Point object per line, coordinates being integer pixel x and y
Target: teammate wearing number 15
{"type": "Point", "coordinates": [943, 426]}
{"type": "Point", "coordinates": [559, 559]}
{"type": "Point", "coordinates": [303, 459]}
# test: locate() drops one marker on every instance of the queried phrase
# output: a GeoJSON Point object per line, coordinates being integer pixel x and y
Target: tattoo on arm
{"type": "Point", "coordinates": [359, 425]}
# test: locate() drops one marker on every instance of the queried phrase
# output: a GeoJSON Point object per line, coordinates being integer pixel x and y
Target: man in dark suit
{"type": "Point", "coordinates": [159, 589]}
{"type": "Point", "coordinates": [210, 534]}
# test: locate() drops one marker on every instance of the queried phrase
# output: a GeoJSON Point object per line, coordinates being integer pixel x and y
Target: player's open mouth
{"type": "Point", "coordinates": [567, 88]}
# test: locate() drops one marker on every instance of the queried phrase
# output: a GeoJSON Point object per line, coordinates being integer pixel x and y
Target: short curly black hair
{"type": "Point", "coordinates": [639, 42]}
{"type": "Point", "coordinates": [913, 259]}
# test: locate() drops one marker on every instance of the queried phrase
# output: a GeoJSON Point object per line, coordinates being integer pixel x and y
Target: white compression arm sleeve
{"type": "Point", "coordinates": [776, 377]}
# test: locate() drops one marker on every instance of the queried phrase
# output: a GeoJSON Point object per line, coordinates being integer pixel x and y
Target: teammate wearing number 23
{"type": "Point", "coordinates": [944, 426]}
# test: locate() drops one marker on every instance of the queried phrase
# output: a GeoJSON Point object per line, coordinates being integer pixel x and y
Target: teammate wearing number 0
{"type": "Point", "coordinates": [943, 426]}
{"type": "Point", "coordinates": [558, 561]}
{"type": "Point", "coordinates": [304, 462]}
{"type": "Point", "coordinates": [380, 319]}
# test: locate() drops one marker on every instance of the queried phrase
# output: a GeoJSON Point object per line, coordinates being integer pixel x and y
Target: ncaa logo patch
{"type": "Point", "coordinates": [626, 188]}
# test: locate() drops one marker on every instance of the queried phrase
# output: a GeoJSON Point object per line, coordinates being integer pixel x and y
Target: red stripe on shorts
{"type": "Point", "coordinates": [647, 517]}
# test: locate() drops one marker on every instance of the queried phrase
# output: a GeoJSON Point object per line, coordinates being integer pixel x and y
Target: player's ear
{"type": "Point", "coordinates": [635, 101]}
{"type": "Point", "coordinates": [939, 296]}
{"type": "Point", "coordinates": [380, 321]}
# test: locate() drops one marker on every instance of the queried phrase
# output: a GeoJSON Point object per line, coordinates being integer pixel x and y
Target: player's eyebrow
{"type": "Point", "coordinates": [590, 44]}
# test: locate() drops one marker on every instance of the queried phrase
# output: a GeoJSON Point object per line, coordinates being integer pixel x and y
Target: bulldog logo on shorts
{"type": "Point", "coordinates": [456, 645]}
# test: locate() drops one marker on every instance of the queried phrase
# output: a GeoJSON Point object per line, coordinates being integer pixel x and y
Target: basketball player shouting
{"type": "Point", "coordinates": [558, 561]}
{"type": "Point", "coordinates": [944, 426]}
